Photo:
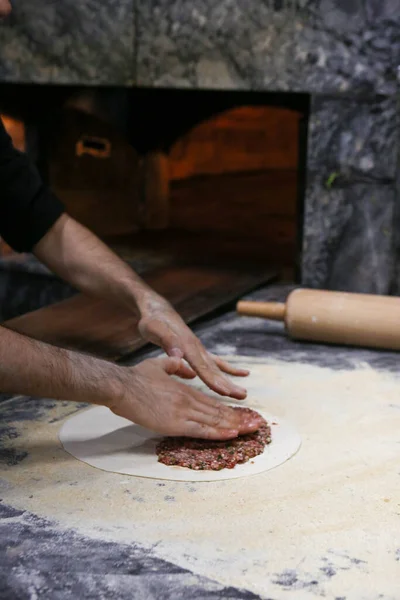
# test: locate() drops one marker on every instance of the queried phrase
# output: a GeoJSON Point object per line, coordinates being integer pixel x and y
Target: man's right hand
{"type": "Point", "coordinates": [145, 394]}
{"type": "Point", "coordinates": [149, 397]}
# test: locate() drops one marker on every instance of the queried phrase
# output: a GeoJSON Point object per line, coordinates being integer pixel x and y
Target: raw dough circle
{"type": "Point", "coordinates": [105, 441]}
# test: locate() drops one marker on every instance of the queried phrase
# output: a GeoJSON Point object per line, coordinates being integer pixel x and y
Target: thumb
{"type": "Point", "coordinates": [171, 364]}
{"type": "Point", "coordinates": [175, 366]}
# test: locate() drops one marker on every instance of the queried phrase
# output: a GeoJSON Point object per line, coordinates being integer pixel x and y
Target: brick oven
{"type": "Point", "coordinates": [252, 135]}
{"type": "Point", "coordinates": [215, 175]}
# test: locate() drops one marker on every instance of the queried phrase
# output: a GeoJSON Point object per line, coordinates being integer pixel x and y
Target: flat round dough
{"type": "Point", "coordinates": [101, 439]}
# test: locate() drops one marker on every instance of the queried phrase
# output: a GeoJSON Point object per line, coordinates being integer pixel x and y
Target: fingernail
{"type": "Point", "coordinates": [240, 390]}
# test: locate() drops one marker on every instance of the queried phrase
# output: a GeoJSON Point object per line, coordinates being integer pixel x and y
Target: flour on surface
{"type": "Point", "coordinates": [324, 523]}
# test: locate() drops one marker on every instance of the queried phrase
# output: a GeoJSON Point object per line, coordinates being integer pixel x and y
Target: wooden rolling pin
{"type": "Point", "coordinates": [334, 317]}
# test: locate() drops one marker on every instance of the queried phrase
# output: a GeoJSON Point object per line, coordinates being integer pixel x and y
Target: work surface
{"type": "Point", "coordinates": [323, 525]}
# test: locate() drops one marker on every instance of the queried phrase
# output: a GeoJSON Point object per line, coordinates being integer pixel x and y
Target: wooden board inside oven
{"type": "Point", "coordinates": [94, 326]}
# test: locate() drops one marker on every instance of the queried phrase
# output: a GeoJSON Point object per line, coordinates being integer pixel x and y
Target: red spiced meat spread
{"type": "Point", "coordinates": [213, 455]}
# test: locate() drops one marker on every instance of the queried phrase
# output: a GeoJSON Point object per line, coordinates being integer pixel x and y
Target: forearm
{"type": "Point", "coordinates": [33, 368]}
{"type": "Point", "coordinates": [80, 258]}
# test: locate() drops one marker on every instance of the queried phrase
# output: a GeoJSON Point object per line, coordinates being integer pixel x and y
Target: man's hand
{"type": "Point", "coordinates": [150, 397]}
{"type": "Point", "coordinates": [145, 394]}
{"type": "Point", "coordinates": [79, 257]}
{"type": "Point", "coordinates": [161, 325]}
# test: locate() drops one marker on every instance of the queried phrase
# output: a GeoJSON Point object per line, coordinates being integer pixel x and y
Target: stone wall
{"type": "Point", "coordinates": [69, 42]}
{"type": "Point", "coordinates": [344, 53]}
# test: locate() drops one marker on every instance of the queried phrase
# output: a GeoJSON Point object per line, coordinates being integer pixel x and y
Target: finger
{"type": "Point", "coordinates": [225, 367]}
{"type": "Point", "coordinates": [209, 373]}
{"type": "Point", "coordinates": [206, 432]}
{"type": "Point", "coordinates": [170, 364]}
{"type": "Point", "coordinates": [218, 415]}
{"type": "Point", "coordinates": [213, 419]}
{"type": "Point", "coordinates": [207, 403]}
{"type": "Point", "coordinates": [196, 401]}
{"type": "Point", "coordinates": [175, 366]}
{"type": "Point", "coordinates": [185, 371]}
{"type": "Point", "coordinates": [238, 417]}
{"type": "Point", "coordinates": [250, 425]}
{"type": "Point", "coordinates": [225, 417]}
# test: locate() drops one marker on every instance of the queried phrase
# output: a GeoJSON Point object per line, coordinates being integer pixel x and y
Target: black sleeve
{"type": "Point", "coordinates": [28, 209]}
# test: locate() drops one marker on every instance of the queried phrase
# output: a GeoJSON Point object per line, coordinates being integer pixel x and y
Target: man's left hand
{"type": "Point", "coordinates": [80, 258]}
{"type": "Point", "coordinates": [161, 325]}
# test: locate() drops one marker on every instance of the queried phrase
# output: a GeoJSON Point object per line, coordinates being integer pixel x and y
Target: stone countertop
{"type": "Point", "coordinates": [46, 556]}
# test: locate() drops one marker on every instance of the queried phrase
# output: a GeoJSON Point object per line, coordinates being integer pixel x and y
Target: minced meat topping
{"type": "Point", "coordinates": [213, 455]}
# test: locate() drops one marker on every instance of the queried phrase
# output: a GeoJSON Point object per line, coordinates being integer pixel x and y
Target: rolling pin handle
{"type": "Point", "coordinates": [268, 310]}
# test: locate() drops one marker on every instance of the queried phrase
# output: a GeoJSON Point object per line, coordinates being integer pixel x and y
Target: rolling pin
{"type": "Point", "coordinates": [334, 317]}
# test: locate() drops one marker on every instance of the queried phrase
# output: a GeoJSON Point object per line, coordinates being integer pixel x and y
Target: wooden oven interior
{"type": "Point", "coordinates": [201, 176]}
{"type": "Point", "coordinates": [200, 191]}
